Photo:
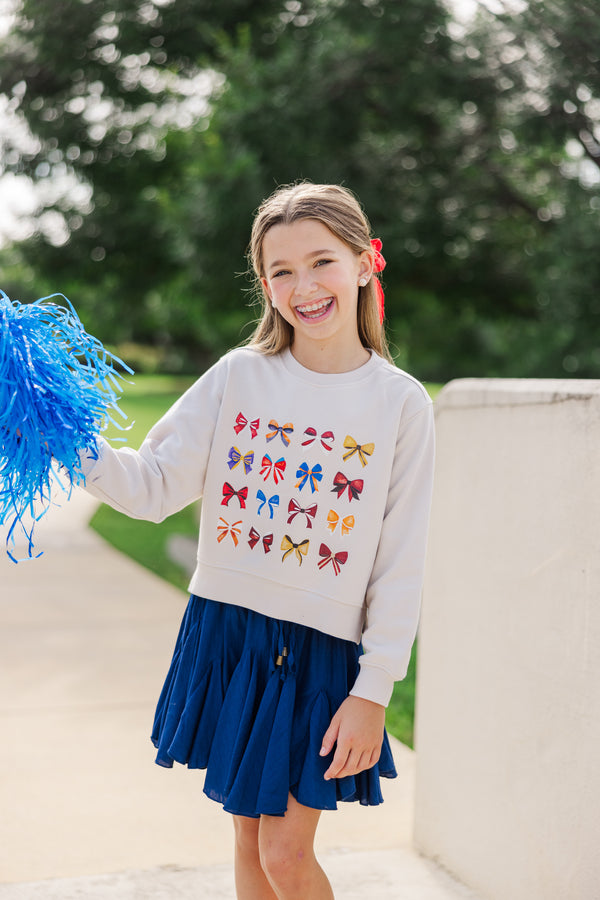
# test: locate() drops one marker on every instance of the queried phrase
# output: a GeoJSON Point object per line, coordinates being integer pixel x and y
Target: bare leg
{"type": "Point", "coordinates": [287, 856]}
{"type": "Point", "coordinates": [251, 883]}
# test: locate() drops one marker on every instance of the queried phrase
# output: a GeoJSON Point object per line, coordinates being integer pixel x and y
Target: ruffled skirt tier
{"type": "Point", "coordinates": [249, 698]}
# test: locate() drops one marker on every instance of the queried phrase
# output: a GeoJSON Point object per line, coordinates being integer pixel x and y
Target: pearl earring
{"type": "Point", "coordinates": [362, 282]}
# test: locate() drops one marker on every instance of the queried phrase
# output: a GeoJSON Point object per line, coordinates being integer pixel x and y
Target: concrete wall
{"type": "Point", "coordinates": [508, 695]}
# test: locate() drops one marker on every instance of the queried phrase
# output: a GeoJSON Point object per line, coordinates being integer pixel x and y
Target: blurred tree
{"type": "Point", "coordinates": [334, 104]}
{"type": "Point", "coordinates": [101, 84]}
{"type": "Point", "coordinates": [183, 115]}
{"type": "Point", "coordinates": [545, 63]}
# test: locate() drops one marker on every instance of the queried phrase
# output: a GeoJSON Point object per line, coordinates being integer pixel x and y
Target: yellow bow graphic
{"type": "Point", "coordinates": [333, 519]}
{"type": "Point", "coordinates": [363, 450]}
{"type": "Point", "coordinates": [288, 546]}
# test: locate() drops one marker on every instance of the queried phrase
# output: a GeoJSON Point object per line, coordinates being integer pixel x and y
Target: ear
{"type": "Point", "coordinates": [365, 266]}
{"type": "Point", "coordinates": [268, 292]}
{"type": "Point", "coordinates": [266, 288]}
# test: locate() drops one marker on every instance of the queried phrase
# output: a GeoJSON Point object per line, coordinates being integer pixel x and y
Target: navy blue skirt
{"type": "Point", "coordinates": [249, 698]}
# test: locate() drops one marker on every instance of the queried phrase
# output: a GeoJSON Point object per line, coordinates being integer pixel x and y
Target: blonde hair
{"type": "Point", "coordinates": [339, 210]}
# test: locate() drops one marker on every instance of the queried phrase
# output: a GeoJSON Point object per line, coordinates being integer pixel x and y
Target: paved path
{"type": "Point", "coordinates": [85, 639]}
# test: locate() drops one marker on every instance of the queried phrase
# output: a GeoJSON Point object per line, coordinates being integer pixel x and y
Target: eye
{"type": "Point", "coordinates": [281, 272]}
{"type": "Point", "coordinates": [323, 262]}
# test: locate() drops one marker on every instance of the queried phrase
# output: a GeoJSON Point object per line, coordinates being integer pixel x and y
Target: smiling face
{"type": "Point", "coordinates": [311, 277]}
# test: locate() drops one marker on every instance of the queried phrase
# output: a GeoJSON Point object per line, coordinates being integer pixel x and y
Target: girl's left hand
{"type": "Point", "coordinates": [357, 727]}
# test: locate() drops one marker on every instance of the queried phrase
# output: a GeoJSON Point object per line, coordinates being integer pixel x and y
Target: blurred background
{"type": "Point", "coordinates": [138, 137]}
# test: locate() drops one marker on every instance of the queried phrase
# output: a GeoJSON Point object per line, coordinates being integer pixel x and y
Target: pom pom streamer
{"type": "Point", "coordinates": [58, 390]}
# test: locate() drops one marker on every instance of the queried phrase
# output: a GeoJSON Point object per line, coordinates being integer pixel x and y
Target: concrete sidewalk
{"type": "Point", "coordinates": [86, 636]}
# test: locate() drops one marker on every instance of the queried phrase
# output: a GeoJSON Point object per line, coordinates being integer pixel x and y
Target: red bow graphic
{"type": "Point", "coordinates": [242, 421]}
{"type": "Point", "coordinates": [229, 492]}
{"type": "Point", "coordinates": [255, 538]}
{"type": "Point", "coordinates": [294, 509]}
{"type": "Point", "coordinates": [278, 468]}
{"type": "Point", "coordinates": [327, 436]}
{"type": "Point", "coordinates": [340, 483]}
{"type": "Point", "coordinates": [338, 560]}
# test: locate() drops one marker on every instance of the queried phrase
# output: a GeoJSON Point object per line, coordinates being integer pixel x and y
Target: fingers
{"type": "Point", "coordinates": [351, 761]}
{"type": "Point", "coordinates": [330, 737]}
{"type": "Point", "coordinates": [357, 730]}
{"type": "Point", "coordinates": [344, 763]}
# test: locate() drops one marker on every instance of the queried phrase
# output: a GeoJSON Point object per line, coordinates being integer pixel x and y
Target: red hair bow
{"type": "Point", "coordinates": [378, 266]}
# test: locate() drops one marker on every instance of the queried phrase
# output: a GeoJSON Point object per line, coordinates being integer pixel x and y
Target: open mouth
{"type": "Point", "coordinates": [314, 311]}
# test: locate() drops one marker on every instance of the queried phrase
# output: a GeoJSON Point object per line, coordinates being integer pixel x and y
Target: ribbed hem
{"type": "Point", "coordinates": [279, 601]}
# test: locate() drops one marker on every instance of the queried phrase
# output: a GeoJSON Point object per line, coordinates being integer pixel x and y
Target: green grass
{"type": "Point", "coordinates": [433, 389]}
{"type": "Point", "coordinates": [146, 542]}
{"type": "Point", "coordinates": [400, 714]}
{"type": "Point", "coordinates": [144, 402]}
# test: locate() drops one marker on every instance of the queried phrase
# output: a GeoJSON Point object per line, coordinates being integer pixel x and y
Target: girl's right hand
{"type": "Point", "coordinates": [357, 728]}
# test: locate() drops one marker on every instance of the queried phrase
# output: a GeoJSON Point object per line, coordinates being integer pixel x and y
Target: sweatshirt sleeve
{"type": "Point", "coordinates": [394, 591]}
{"type": "Point", "coordinates": [167, 472]}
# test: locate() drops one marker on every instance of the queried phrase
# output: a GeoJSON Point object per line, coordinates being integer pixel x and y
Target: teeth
{"type": "Point", "coordinates": [313, 307]}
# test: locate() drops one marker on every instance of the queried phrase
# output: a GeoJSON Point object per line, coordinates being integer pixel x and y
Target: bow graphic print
{"type": "Point", "coordinates": [295, 509]}
{"type": "Point", "coordinates": [241, 422]}
{"type": "Point", "coordinates": [282, 430]}
{"type": "Point", "coordinates": [226, 529]}
{"type": "Point", "coordinates": [255, 538]}
{"type": "Point", "coordinates": [229, 491]}
{"type": "Point", "coordinates": [272, 502]}
{"type": "Point", "coordinates": [363, 450]}
{"type": "Point", "coordinates": [268, 466]}
{"type": "Point", "coordinates": [304, 474]}
{"type": "Point", "coordinates": [288, 546]}
{"type": "Point", "coordinates": [327, 438]}
{"type": "Point", "coordinates": [340, 483]}
{"type": "Point", "coordinates": [336, 560]}
{"type": "Point", "coordinates": [235, 457]}
{"type": "Point", "coordinates": [333, 519]}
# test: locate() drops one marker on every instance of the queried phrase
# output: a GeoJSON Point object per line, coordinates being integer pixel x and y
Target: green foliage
{"type": "Point", "coordinates": [400, 714]}
{"type": "Point", "coordinates": [145, 398]}
{"type": "Point", "coordinates": [147, 543]}
{"type": "Point", "coordinates": [475, 153]}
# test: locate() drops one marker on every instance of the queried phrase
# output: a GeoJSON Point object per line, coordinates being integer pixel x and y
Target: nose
{"type": "Point", "coordinates": [306, 283]}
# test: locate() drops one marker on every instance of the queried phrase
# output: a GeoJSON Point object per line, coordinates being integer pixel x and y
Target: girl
{"type": "Point", "coordinates": [313, 455]}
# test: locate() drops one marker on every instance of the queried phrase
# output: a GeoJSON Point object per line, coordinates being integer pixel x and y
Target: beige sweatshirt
{"type": "Point", "coordinates": [316, 493]}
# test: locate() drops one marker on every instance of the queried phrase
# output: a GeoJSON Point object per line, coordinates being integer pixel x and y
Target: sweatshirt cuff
{"type": "Point", "coordinates": [373, 684]}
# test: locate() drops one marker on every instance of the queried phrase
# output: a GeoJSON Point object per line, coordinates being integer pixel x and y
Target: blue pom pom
{"type": "Point", "coordinates": [58, 390]}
